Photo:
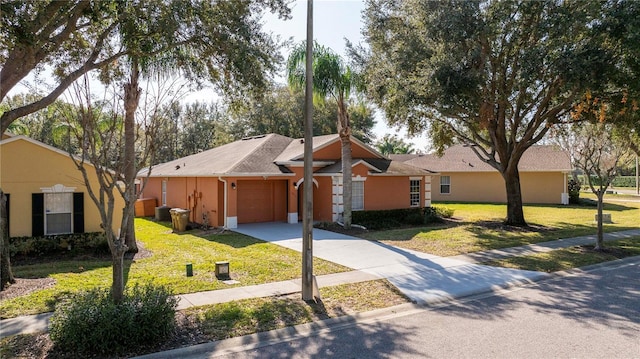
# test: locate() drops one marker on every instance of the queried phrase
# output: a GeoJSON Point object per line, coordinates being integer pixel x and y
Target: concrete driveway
{"type": "Point", "coordinates": [424, 278]}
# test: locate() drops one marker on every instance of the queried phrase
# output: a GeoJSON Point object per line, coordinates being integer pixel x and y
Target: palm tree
{"type": "Point", "coordinates": [392, 144]}
{"type": "Point", "coordinates": [332, 78]}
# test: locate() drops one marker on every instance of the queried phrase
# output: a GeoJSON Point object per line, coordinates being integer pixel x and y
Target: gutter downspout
{"type": "Point", "coordinates": [225, 201]}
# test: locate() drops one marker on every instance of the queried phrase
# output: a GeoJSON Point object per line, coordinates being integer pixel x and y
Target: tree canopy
{"type": "Point", "coordinates": [220, 42]}
{"type": "Point", "coordinates": [495, 75]}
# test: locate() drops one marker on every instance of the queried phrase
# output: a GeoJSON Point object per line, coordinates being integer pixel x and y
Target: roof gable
{"type": "Point", "coordinates": [41, 145]}
{"type": "Point", "coordinates": [326, 147]}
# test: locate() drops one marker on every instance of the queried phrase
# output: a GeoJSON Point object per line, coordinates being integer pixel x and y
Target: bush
{"type": "Point", "coordinates": [436, 214]}
{"type": "Point", "coordinates": [87, 243]}
{"type": "Point", "coordinates": [398, 217]}
{"type": "Point", "coordinates": [90, 323]}
{"type": "Point", "coordinates": [574, 191]}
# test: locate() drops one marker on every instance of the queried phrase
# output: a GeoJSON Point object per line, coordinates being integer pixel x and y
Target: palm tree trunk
{"type": "Point", "coordinates": [131, 100]}
{"type": "Point", "coordinates": [344, 131]}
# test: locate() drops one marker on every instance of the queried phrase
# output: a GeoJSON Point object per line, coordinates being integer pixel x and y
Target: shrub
{"type": "Point", "coordinates": [77, 243]}
{"type": "Point", "coordinates": [436, 214]}
{"type": "Point", "coordinates": [90, 323]}
{"type": "Point", "coordinates": [398, 217]}
{"type": "Point", "coordinates": [385, 218]}
{"type": "Point", "coordinates": [443, 212]}
{"type": "Point", "coordinates": [574, 191]}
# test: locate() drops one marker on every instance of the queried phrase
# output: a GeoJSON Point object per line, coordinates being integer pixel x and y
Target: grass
{"type": "Point", "coordinates": [573, 257]}
{"type": "Point", "coordinates": [251, 262]}
{"type": "Point", "coordinates": [478, 227]}
{"type": "Point", "coordinates": [226, 320]}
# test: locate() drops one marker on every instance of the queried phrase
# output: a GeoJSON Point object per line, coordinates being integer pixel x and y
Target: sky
{"type": "Point", "coordinates": [333, 22]}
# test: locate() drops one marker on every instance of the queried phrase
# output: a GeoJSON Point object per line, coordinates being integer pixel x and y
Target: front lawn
{"type": "Point", "coordinates": [165, 255]}
{"type": "Point", "coordinates": [478, 227]}
{"type": "Point", "coordinates": [573, 257]}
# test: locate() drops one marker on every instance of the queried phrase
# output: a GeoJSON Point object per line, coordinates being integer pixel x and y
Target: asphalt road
{"type": "Point", "coordinates": [588, 315]}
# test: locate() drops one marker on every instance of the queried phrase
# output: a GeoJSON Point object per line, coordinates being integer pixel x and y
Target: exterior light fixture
{"type": "Point", "coordinates": [222, 270]}
{"type": "Point", "coordinates": [233, 185]}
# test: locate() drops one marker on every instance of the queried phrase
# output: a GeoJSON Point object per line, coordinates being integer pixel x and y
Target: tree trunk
{"type": "Point", "coordinates": [600, 237]}
{"type": "Point", "coordinates": [6, 273]}
{"type": "Point", "coordinates": [117, 260]}
{"type": "Point", "coordinates": [131, 100]}
{"type": "Point", "coordinates": [345, 140]}
{"type": "Point", "coordinates": [515, 215]}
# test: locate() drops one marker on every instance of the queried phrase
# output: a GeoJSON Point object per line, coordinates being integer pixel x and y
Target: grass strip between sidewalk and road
{"type": "Point", "coordinates": [572, 257]}
{"type": "Point", "coordinates": [226, 320]}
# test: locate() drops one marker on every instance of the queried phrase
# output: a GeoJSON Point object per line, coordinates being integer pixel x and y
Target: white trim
{"type": "Point", "coordinates": [58, 188]}
{"type": "Point", "coordinates": [225, 200]}
{"type": "Point", "coordinates": [301, 180]}
{"type": "Point", "coordinates": [232, 222]}
{"type": "Point", "coordinates": [292, 218]}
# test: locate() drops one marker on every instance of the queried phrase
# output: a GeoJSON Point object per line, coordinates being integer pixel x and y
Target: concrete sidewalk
{"type": "Point", "coordinates": [437, 271]}
{"type": "Point", "coordinates": [423, 278]}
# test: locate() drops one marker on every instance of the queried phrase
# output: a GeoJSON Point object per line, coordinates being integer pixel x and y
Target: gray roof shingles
{"type": "Point", "coordinates": [462, 159]}
{"type": "Point", "coordinates": [264, 155]}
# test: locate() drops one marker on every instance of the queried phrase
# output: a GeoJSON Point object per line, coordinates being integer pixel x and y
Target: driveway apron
{"type": "Point", "coordinates": [424, 278]}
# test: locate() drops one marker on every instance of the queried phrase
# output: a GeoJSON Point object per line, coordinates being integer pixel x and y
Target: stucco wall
{"type": "Point", "coordinates": [26, 167]}
{"type": "Point", "coordinates": [537, 187]}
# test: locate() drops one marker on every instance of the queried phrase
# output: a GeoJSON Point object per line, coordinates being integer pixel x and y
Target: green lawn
{"type": "Point", "coordinates": [477, 227]}
{"type": "Point", "coordinates": [573, 257]}
{"type": "Point", "coordinates": [251, 262]}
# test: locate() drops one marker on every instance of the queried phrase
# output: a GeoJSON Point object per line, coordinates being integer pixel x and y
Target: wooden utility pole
{"type": "Point", "coordinates": [307, 221]}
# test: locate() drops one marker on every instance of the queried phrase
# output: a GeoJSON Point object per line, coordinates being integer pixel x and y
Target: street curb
{"type": "Point", "coordinates": [317, 328]}
{"type": "Point", "coordinates": [263, 339]}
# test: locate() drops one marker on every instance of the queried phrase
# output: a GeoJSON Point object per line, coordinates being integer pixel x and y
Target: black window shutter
{"type": "Point", "coordinates": [37, 214]}
{"type": "Point", "coordinates": [78, 212]}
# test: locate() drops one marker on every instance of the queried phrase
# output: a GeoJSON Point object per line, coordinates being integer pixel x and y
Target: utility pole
{"type": "Point", "coordinates": [307, 221]}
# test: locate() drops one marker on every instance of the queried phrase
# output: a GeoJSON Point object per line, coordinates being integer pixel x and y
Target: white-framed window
{"type": "Point", "coordinates": [58, 211]}
{"type": "Point", "coordinates": [414, 192]}
{"type": "Point", "coordinates": [164, 192]}
{"type": "Point", "coordinates": [445, 184]}
{"type": "Point", "coordinates": [357, 195]}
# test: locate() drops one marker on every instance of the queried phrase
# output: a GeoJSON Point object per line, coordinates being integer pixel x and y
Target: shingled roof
{"type": "Point", "coordinates": [268, 155]}
{"type": "Point", "coordinates": [249, 156]}
{"type": "Point", "coordinates": [460, 158]}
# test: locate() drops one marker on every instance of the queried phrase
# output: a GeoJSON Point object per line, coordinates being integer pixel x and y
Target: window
{"type": "Point", "coordinates": [357, 195]}
{"type": "Point", "coordinates": [414, 193]}
{"type": "Point", "coordinates": [445, 184]}
{"type": "Point", "coordinates": [164, 193]}
{"type": "Point", "coordinates": [58, 209]}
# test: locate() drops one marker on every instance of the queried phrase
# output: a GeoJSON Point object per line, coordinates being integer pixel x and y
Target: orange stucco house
{"type": "Point", "coordinates": [462, 176]}
{"type": "Point", "coordinates": [46, 192]}
{"type": "Point", "coordinates": [260, 179]}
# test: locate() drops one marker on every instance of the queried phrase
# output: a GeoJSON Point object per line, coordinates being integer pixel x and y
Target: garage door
{"type": "Point", "coordinates": [262, 201]}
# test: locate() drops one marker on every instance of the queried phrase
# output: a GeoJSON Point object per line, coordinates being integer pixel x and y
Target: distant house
{"type": "Point", "coordinates": [45, 190]}
{"type": "Point", "coordinates": [260, 179]}
{"type": "Point", "coordinates": [462, 176]}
